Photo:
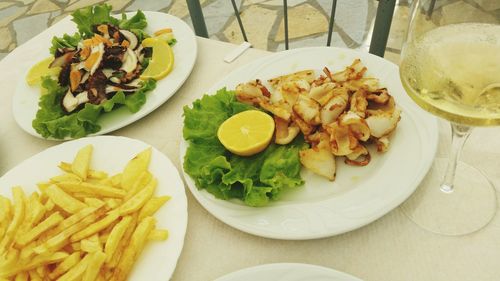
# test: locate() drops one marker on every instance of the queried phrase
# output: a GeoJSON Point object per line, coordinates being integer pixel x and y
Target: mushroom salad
{"type": "Point", "coordinates": [102, 67]}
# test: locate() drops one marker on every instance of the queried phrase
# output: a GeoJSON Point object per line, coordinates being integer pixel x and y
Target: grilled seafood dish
{"type": "Point", "coordinates": [339, 114]}
{"type": "Point", "coordinates": [108, 63]}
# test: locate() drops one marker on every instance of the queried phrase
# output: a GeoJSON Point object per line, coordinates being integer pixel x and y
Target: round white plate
{"type": "Point", "coordinates": [111, 154]}
{"type": "Point", "coordinates": [288, 272]}
{"type": "Point", "coordinates": [359, 195]}
{"type": "Point", "coordinates": [25, 100]}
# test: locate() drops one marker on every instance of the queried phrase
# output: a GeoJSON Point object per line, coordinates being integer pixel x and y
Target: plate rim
{"type": "Point", "coordinates": [389, 206]}
{"type": "Point", "coordinates": [279, 265]}
{"type": "Point", "coordinates": [192, 42]}
{"type": "Point", "coordinates": [182, 199]}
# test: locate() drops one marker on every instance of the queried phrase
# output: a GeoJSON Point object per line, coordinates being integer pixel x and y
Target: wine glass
{"type": "Point", "coordinates": [450, 67]}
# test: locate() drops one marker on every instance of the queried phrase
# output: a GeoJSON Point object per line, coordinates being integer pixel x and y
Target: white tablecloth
{"type": "Point", "coordinates": [390, 249]}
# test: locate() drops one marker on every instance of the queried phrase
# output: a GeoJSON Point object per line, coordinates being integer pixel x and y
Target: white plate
{"type": "Point", "coordinates": [288, 272]}
{"type": "Point", "coordinates": [25, 101]}
{"type": "Point", "coordinates": [359, 195]}
{"type": "Point", "coordinates": [111, 154]}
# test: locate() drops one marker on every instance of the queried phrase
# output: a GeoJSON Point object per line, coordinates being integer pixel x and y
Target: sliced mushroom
{"type": "Point", "coordinates": [107, 72]}
{"type": "Point", "coordinates": [131, 38]}
{"type": "Point", "coordinates": [85, 77]}
{"type": "Point", "coordinates": [129, 62]}
{"type": "Point", "coordinates": [123, 88]}
{"type": "Point", "coordinates": [70, 102]}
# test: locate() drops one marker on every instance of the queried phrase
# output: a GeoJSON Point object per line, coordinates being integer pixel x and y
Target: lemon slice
{"type": "Point", "coordinates": [246, 133]}
{"type": "Point", "coordinates": [41, 69]}
{"type": "Point", "coordinates": [162, 61]}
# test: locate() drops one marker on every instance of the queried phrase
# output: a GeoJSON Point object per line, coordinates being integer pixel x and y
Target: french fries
{"type": "Point", "coordinates": [82, 224]}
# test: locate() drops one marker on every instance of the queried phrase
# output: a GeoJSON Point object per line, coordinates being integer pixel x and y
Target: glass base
{"type": "Point", "coordinates": [469, 207]}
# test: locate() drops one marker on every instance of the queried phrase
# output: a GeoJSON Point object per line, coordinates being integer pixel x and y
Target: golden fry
{"type": "Point", "coordinates": [65, 167]}
{"type": "Point", "coordinates": [138, 200]}
{"type": "Point", "coordinates": [81, 163]}
{"type": "Point", "coordinates": [134, 249]}
{"type": "Point", "coordinates": [60, 240]}
{"type": "Point", "coordinates": [64, 200]}
{"type": "Point", "coordinates": [23, 276]}
{"type": "Point", "coordinates": [5, 215]}
{"type": "Point", "coordinates": [91, 189]}
{"type": "Point", "coordinates": [34, 263]}
{"type": "Point", "coordinates": [135, 168]}
{"type": "Point", "coordinates": [35, 232]}
{"type": "Point", "coordinates": [34, 276]}
{"type": "Point", "coordinates": [91, 244]}
{"type": "Point", "coordinates": [68, 177]}
{"type": "Point", "coordinates": [99, 175]}
{"type": "Point", "coordinates": [116, 180]}
{"type": "Point", "coordinates": [42, 271]}
{"type": "Point", "coordinates": [124, 242]}
{"type": "Point", "coordinates": [9, 260]}
{"type": "Point", "coordinates": [143, 179]}
{"type": "Point", "coordinates": [19, 215]}
{"type": "Point", "coordinates": [115, 237]}
{"type": "Point", "coordinates": [37, 210]}
{"type": "Point", "coordinates": [76, 272]}
{"type": "Point", "coordinates": [158, 235]}
{"type": "Point", "coordinates": [96, 226]}
{"type": "Point", "coordinates": [153, 205]}
{"type": "Point", "coordinates": [68, 222]}
{"type": "Point", "coordinates": [65, 265]}
{"type": "Point", "coordinates": [93, 202]}
{"type": "Point", "coordinates": [113, 203]}
{"type": "Point", "coordinates": [49, 205]}
{"type": "Point", "coordinates": [95, 262]}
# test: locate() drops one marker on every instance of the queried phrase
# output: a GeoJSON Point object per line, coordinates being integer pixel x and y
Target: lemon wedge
{"type": "Point", "coordinates": [246, 133]}
{"type": "Point", "coordinates": [162, 61]}
{"type": "Point", "coordinates": [40, 69]}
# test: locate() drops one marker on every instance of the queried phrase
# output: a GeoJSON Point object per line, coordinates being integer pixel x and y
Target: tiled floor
{"type": "Point", "coordinates": [263, 19]}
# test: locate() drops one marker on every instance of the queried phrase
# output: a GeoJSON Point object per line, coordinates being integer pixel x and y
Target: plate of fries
{"type": "Point", "coordinates": [99, 208]}
{"type": "Point", "coordinates": [355, 194]}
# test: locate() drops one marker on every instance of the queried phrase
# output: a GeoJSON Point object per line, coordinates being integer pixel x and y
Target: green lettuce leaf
{"type": "Point", "coordinates": [86, 18]}
{"type": "Point", "coordinates": [52, 121]}
{"type": "Point", "coordinates": [138, 21]}
{"type": "Point", "coordinates": [67, 41]}
{"type": "Point", "coordinates": [255, 179]}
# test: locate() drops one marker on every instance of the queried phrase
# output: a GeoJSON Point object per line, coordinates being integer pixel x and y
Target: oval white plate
{"type": "Point", "coordinates": [25, 100]}
{"type": "Point", "coordinates": [359, 195]}
{"type": "Point", "coordinates": [288, 272]}
{"type": "Point", "coordinates": [111, 154]}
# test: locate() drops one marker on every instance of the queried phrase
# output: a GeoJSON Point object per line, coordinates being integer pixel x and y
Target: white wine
{"type": "Point", "coordinates": [454, 72]}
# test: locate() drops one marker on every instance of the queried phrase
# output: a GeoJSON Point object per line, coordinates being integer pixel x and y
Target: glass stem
{"type": "Point", "coordinates": [459, 134]}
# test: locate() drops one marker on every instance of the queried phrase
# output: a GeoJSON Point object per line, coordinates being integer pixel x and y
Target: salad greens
{"type": "Point", "coordinates": [67, 41]}
{"type": "Point", "coordinates": [255, 179]}
{"type": "Point", "coordinates": [52, 121]}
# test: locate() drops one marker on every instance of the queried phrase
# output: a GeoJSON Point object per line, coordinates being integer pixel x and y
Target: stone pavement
{"type": "Point", "coordinates": [263, 19]}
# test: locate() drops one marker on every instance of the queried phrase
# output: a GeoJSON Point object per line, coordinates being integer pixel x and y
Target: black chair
{"type": "Point", "coordinates": [378, 43]}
